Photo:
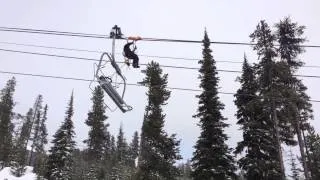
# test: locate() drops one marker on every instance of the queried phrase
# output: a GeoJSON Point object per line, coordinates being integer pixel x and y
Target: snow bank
{"type": "Point", "coordinates": [5, 174]}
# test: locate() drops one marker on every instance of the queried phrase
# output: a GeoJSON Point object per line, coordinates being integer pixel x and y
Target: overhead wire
{"type": "Point", "coordinates": [130, 84]}
{"type": "Point", "coordinates": [86, 35]}
{"type": "Point", "coordinates": [97, 51]}
{"type": "Point", "coordinates": [142, 55]}
{"type": "Point", "coordinates": [51, 32]}
{"type": "Point", "coordinates": [143, 64]}
{"type": "Point", "coordinates": [66, 33]}
{"type": "Point", "coordinates": [50, 47]}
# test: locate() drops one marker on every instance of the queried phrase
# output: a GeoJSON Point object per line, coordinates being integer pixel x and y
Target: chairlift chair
{"type": "Point", "coordinates": [106, 81]}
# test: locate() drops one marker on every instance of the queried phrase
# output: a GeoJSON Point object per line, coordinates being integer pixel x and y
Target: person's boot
{"type": "Point", "coordinates": [134, 65]}
{"type": "Point", "coordinates": [126, 61]}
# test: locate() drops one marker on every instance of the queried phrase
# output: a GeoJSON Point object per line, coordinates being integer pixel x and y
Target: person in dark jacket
{"type": "Point", "coordinates": [130, 54]}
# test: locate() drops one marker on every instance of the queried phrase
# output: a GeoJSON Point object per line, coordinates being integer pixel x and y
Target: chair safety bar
{"type": "Point", "coordinates": [105, 83]}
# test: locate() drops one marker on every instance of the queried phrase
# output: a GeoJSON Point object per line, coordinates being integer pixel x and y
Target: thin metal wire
{"type": "Point", "coordinates": [64, 33]}
{"type": "Point", "coordinates": [130, 84]}
{"type": "Point", "coordinates": [142, 55]}
{"type": "Point", "coordinates": [143, 64]}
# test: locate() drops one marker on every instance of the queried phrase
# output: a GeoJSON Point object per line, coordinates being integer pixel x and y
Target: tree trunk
{"type": "Point", "coordinates": [301, 144]}
{"type": "Point", "coordinates": [35, 109]}
{"type": "Point", "coordinates": [283, 176]}
{"type": "Point", "coordinates": [308, 159]}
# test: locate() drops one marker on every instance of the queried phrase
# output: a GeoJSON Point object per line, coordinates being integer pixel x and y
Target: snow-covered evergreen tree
{"type": "Point", "coordinates": [297, 103]}
{"type": "Point", "coordinates": [257, 143]}
{"type": "Point", "coordinates": [124, 165]}
{"type": "Point", "coordinates": [109, 153]}
{"type": "Point", "coordinates": [96, 122]}
{"type": "Point", "coordinates": [158, 150]}
{"type": "Point", "coordinates": [17, 169]}
{"type": "Point", "coordinates": [19, 156]}
{"type": "Point", "coordinates": [20, 148]}
{"type": "Point", "coordinates": [6, 126]}
{"type": "Point", "coordinates": [60, 159]}
{"type": "Point", "coordinates": [97, 136]}
{"type": "Point", "coordinates": [34, 142]}
{"type": "Point", "coordinates": [35, 128]}
{"type": "Point", "coordinates": [113, 150]}
{"type": "Point", "coordinates": [271, 98]}
{"type": "Point", "coordinates": [122, 146]}
{"type": "Point", "coordinates": [185, 169]}
{"type": "Point", "coordinates": [212, 157]}
{"type": "Point", "coordinates": [80, 166]}
{"type": "Point", "coordinates": [92, 174]}
{"type": "Point", "coordinates": [313, 149]}
{"type": "Point", "coordinates": [107, 146]}
{"type": "Point", "coordinates": [134, 149]}
{"type": "Point", "coordinates": [40, 141]}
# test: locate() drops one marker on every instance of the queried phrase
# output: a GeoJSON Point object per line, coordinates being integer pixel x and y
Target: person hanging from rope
{"type": "Point", "coordinates": [130, 54]}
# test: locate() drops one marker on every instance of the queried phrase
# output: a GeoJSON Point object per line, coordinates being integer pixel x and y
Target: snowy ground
{"type": "Point", "coordinates": [6, 175]}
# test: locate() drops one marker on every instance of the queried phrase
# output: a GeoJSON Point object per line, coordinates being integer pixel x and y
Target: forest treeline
{"type": "Point", "coordinates": [273, 109]}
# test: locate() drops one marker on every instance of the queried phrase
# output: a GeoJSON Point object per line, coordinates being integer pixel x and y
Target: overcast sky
{"type": "Point", "coordinates": [176, 19]}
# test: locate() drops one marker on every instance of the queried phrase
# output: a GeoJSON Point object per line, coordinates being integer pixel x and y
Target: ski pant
{"type": "Point", "coordinates": [135, 59]}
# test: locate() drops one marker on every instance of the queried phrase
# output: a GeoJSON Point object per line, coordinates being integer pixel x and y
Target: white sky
{"type": "Point", "coordinates": [179, 19]}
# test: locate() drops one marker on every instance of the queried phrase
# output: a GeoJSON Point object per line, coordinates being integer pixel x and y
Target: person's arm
{"type": "Point", "coordinates": [127, 46]}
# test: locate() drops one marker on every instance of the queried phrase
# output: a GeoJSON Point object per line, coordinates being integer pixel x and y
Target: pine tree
{"type": "Point", "coordinates": [36, 129]}
{"type": "Point", "coordinates": [289, 36]}
{"type": "Point", "coordinates": [294, 169]}
{"type": "Point", "coordinates": [17, 169]}
{"type": "Point", "coordinates": [271, 97]}
{"type": "Point", "coordinates": [158, 150]}
{"type": "Point", "coordinates": [92, 174]}
{"type": "Point", "coordinates": [211, 159]}
{"type": "Point", "coordinates": [24, 135]}
{"type": "Point", "coordinates": [123, 168]}
{"type": "Point", "coordinates": [17, 121]}
{"type": "Point", "coordinates": [107, 146]}
{"type": "Point", "coordinates": [313, 149]}
{"type": "Point", "coordinates": [185, 169]}
{"type": "Point", "coordinates": [134, 149]}
{"type": "Point", "coordinates": [113, 150]}
{"type": "Point", "coordinates": [122, 147]}
{"type": "Point", "coordinates": [80, 165]}
{"type": "Point", "coordinates": [109, 159]}
{"type": "Point", "coordinates": [95, 172]}
{"type": "Point", "coordinates": [60, 158]}
{"type": "Point", "coordinates": [20, 148]}
{"type": "Point", "coordinates": [96, 120]}
{"type": "Point", "coordinates": [35, 126]}
{"type": "Point", "coordinates": [40, 178]}
{"type": "Point", "coordinates": [113, 145]}
{"type": "Point", "coordinates": [97, 134]}
{"type": "Point", "coordinates": [110, 155]}
{"type": "Point", "coordinates": [43, 131]}
{"type": "Point", "coordinates": [6, 126]}
{"type": "Point", "coordinates": [19, 151]}
{"type": "Point", "coordinates": [257, 142]}
{"type": "Point", "coordinates": [40, 141]}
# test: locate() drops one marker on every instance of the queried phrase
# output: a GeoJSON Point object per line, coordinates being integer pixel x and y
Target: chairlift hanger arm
{"type": "Point", "coordinates": [105, 81]}
{"type": "Point", "coordinates": [100, 64]}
